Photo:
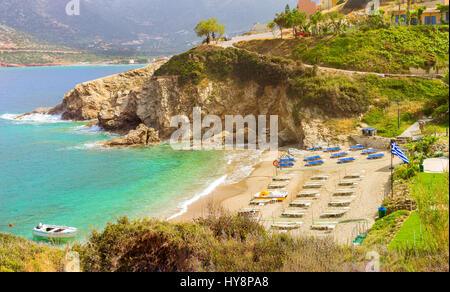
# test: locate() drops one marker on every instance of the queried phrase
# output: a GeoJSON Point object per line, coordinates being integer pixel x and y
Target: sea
{"type": "Point", "coordinates": [51, 172]}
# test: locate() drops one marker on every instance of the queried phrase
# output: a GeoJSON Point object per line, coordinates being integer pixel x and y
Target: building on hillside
{"type": "Point", "coordinates": [308, 6]}
{"type": "Point", "coordinates": [328, 4]}
{"type": "Point", "coordinates": [431, 15]}
{"type": "Point", "coordinates": [260, 28]}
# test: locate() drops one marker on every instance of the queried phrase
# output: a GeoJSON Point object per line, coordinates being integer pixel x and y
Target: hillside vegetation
{"type": "Point", "coordinates": [337, 96]}
{"type": "Point", "coordinates": [396, 49]}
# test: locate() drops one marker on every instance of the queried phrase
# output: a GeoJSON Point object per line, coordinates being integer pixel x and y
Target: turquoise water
{"type": "Point", "coordinates": [50, 174]}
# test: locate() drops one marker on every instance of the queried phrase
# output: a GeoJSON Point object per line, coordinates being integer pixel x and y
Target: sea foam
{"type": "Point", "coordinates": [211, 187]}
{"type": "Point", "coordinates": [34, 118]}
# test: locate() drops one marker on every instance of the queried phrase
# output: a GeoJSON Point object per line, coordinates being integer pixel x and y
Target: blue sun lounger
{"type": "Point", "coordinates": [335, 149]}
{"type": "Point", "coordinates": [315, 149]}
{"type": "Point", "coordinates": [376, 156]}
{"type": "Point", "coordinates": [312, 158]}
{"type": "Point", "coordinates": [315, 163]}
{"type": "Point", "coordinates": [357, 147]}
{"type": "Point", "coordinates": [369, 151]}
{"type": "Point", "coordinates": [337, 155]}
{"type": "Point", "coordinates": [286, 164]}
{"type": "Point", "coordinates": [346, 160]}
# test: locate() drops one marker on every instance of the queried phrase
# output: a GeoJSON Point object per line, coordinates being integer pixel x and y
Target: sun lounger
{"type": "Point", "coordinates": [341, 193]}
{"type": "Point", "coordinates": [312, 158]}
{"type": "Point", "coordinates": [282, 178]}
{"type": "Point", "coordinates": [319, 177]}
{"type": "Point", "coordinates": [346, 160]}
{"type": "Point", "coordinates": [324, 226]}
{"type": "Point", "coordinates": [287, 160]}
{"type": "Point", "coordinates": [301, 204]}
{"type": "Point", "coordinates": [248, 212]}
{"type": "Point", "coordinates": [354, 175]}
{"type": "Point", "coordinates": [357, 147]}
{"type": "Point", "coordinates": [376, 156]}
{"type": "Point", "coordinates": [286, 165]}
{"type": "Point", "coordinates": [293, 214]}
{"type": "Point", "coordinates": [263, 202]}
{"type": "Point", "coordinates": [341, 203]}
{"type": "Point", "coordinates": [278, 185]}
{"type": "Point", "coordinates": [334, 213]}
{"type": "Point", "coordinates": [369, 151]}
{"type": "Point", "coordinates": [348, 183]}
{"type": "Point", "coordinates": [315, 163]}
{"type": "Point", "coordinates": [333, 149]}
{"type": "Point", "coordinates": [313, 185]}
{"type": "Point", "coordinates": [286, 225]}
{"type": "Point", "coordinates": [337, 155]}
{"type": "Point", "coordinates": [315, 149]}
{"type": "Point", "coordinates": [308, 194]}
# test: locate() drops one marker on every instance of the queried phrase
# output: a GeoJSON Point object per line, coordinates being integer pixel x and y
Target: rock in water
{"type": "Point", "coordinates": [142, 136]}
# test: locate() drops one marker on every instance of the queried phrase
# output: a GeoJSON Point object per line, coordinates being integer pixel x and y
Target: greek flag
{"type": "Point", "coordinates": [398, 152]}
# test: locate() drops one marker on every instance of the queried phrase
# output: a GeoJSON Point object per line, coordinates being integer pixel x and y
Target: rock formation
{"type": "Point", "coordinates": [141, 104]}
{"type": "Point", "coordinates": [141, 136]}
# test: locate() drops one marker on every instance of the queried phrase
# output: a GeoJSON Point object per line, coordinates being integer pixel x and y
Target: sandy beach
{"type": "Point", "coordinates": [369, 193]}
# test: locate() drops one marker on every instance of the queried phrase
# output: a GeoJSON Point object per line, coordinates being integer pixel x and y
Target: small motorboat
{"type": "Point", "coordinates": [54, 232]}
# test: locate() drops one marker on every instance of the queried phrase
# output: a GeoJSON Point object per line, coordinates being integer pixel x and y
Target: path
{"type": "Point", "coordinates": [414, 130]}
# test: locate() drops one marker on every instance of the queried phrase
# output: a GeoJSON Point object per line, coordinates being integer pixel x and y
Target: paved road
{"type": "Point", "coordinates": [436, 165]}
{"type": "Point", "coordinates": [237, 39]}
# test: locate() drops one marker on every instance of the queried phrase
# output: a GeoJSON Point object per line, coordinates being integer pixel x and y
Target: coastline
{"type": "Point", "coordinates": [231, 197]}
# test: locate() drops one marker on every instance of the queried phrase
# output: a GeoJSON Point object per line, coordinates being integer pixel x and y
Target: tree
{"type": "Point", "coordinates": [408, 12]}
{"type": "Point", "coordinates": [316, 19]}
{"type": "Point", "coordinates": [295, 19]}
{"type": "Point", "coordinates": [336, 21]}
{"type": "Point", "coordinates": [287, 9]}
{"type": "Point", "coordinates": [280, 21]}
{"type": "Point", "coordinates": [210, 29]}
{"type": "Point", "coordinates": [442, 9]}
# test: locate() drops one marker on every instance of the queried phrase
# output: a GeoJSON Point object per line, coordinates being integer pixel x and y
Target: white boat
{"type": "Point", "coordinates": [54, 232]}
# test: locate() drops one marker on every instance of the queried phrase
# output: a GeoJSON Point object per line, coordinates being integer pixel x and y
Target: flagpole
{"type": "Point", "coordinates": [392, 172]}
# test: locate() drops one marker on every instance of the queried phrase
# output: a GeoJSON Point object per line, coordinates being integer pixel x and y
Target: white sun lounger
{"type": "Point", "coordinates": [286, 225]}
{"type": "Point", "coordinates": [344, 192]}
{"type": "Point", "coordinates": [347, 183]}
{"type": "Point", "coordinates": [263, 202]}
{"type": "Point", "coordinates": [249, 212]}
{"type": "Point", "coordinates": [313, 185]}
{"type": "Point", "coordinates": [301, 204]}
{"type": "Point", "coordinates": [293, 213]}
{"type": "Point", "coordinates": [354, 175]}
{"type": "Point", "coordinates": [308, 194]}
{"type": "Point", "coordinates": [334, 213]}
{"type": "Point", "coordinates": [323, 227]}
{"type": "Point", "coordinates": [320, 177]}
{"type": "Point", "coordinates": [341, 203]}
{"type": "Point", "coordinates": [278, 185]}
{"type": "Point", "coordinates": [282, 178]}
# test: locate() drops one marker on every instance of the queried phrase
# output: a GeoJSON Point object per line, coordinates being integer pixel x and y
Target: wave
{"type": "Point", "coordinates": [184, 206]}
{"type": "Point", "coordinates": [241, 164]}
{"type": "Point", "coordinates": [34, 118]}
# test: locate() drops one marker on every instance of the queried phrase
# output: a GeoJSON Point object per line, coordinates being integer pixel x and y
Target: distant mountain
{"type": "Point", "coordinates": [154, 26]}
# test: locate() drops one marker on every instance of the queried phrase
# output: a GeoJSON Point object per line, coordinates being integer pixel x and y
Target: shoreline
{"type": "Point", "coordinates": [68, 65]}
{"type": "Point", "coordinates": [262, 174]}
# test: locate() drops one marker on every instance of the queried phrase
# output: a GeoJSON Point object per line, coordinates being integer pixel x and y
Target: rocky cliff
{"type": "Point", "coordinates": [221, 82]}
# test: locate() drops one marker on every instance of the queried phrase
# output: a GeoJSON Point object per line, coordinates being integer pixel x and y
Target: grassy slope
{"type": "Point", "coordinates": [338, 96]}
{"type": "Point", "coordinates": [393, 50]}
{"type": "Point", "coordinates": [20, 255]}
{"type": "Point", "coordinates": [411, 234]}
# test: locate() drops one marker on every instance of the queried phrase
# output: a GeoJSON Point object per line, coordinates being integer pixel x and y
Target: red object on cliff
{"type": "Point", "coordinates": [10, 225]}
{"type": "Point", "coordinates": [303, 34]}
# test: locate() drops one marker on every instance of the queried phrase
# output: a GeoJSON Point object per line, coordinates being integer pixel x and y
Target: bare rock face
{"type": "Point", "coordinates": [141, 136]}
